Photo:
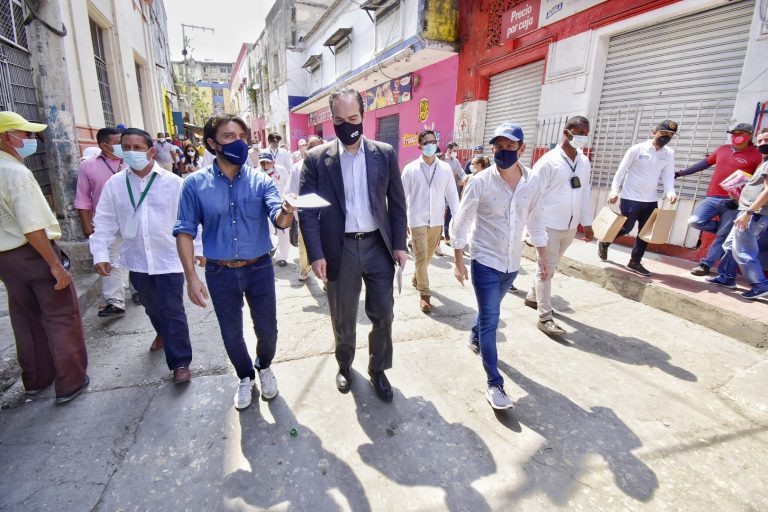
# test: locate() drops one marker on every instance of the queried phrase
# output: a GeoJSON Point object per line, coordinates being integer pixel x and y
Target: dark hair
{"type": "Point", "coordinates": [160, 135]}
{"type": "Point", "coordinates": [346, 91]}
{"type": "Point", "coordinates": [576, 121]}
{"type": "Point", "coordinates": [140, 133]}
{"type": "Point", "coordinates": [212, 126]}
{"type": "Point", "coordinates": [192, 160]}
{"type": "Point", "coordinates": [451, 145]}
{"type": "Point", "coordinates": [103, 135]}
{"type": "Point", "coordinates": [424, 134]}
{"type": "Point", "coordinates": [274, 137]}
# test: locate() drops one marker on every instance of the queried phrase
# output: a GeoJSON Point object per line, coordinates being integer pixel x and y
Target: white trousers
{"type": "Point", "coordinates": [112, 285]}
{"type": "Point", "coordinates": [541, 292]}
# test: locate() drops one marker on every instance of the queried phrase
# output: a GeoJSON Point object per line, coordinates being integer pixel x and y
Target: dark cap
{"type": "Point", "coordinates": [742, 127]}
{"type": "Point", "coordinates": [477, 148]}
{"type": "Point", "coordinates": [266, 156]}
{"type": "Point", "coordinates": [667, 126]}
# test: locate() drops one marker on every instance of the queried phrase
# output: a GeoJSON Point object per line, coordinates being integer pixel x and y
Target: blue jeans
{"type": "Point", "coordinates": [490, 288]}
{"type": "Point", "coordinates": [227, 286]}
{"type": "Point", "coordinates": [162, 296]}
{"type": "Point", "coordinates": [728, 266]}
{"type": "Point", "coordinates": [744, 247]}
{"type": "Point", "coordinates": [703, 220]}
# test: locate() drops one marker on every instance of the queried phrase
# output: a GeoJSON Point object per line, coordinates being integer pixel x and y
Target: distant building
{"type": "Point", "coordinates": [209, 89]}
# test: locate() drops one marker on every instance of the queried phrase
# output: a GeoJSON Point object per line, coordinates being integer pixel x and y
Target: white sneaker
{"type": "Point", "coordinates": [268, 384]}
{"type": "Point", "coordinates": [498, 398]}
{"type": "Point", "coordinates": [439, 251]}
{"type": "Point", "coordinates": [243, 393]}
{"type": "Point", "coordinates": [303, 276]}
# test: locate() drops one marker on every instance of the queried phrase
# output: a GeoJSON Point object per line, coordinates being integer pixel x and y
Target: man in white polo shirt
{"type": "Point", "coordinates": [428, 183]}
{"type": "Point", "coordinates": [636, 182]}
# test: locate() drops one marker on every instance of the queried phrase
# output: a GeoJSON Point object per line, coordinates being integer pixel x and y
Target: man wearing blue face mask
{"type": "Point", "coordinates": [497, 204]}
{"type": "Point", "coordinates": [428, 183]}
{"type": "Point", "coordinates": [43, 305]}
{"type": "Point", "coordinates": [139, 204]}
{"type": "Point", "coordinates": [233, 202]}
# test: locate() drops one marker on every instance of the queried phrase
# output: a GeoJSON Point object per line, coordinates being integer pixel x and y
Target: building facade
{"type": "Point", "coordinates": [626, 65]}
{"type": "Point", "coordinates": [204, 90]}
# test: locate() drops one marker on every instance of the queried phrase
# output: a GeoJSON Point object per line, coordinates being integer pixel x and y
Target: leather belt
{"type": "Point", "coordinates": [360, 236]}
{"type": "Point", "coordinates": [234, 263]}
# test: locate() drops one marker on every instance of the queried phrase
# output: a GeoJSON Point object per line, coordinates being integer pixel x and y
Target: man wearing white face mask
{"type": "Point", "coordinates": [91, 177]}
{"type": "Point", "coordinates": [140, 204]}
{"type": "Point", "coordinates": [563, 175]}
{"type": "Point", "coordinates": [428, 183]}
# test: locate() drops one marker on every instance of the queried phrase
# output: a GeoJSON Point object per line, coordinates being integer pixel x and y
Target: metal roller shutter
{"type": "Point", "coordinates": [686, 69]}
{"type": "Point", "coordinates": [514, 96]}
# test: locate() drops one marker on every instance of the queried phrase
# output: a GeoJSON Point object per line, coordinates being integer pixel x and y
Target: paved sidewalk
{"type": "Point", "coordinates": [671, 288]}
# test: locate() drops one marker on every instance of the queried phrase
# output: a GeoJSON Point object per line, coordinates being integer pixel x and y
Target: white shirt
{"type": "Point", "coordinates": [153, 249]}
{"type": "Point", "coordinates": [565, 207]}
{"type": "Point", "coordinates": [294, 178]}
{"type": "Point", "coordinates": [280, 157]}
{"type": "Point", "coordinates": [492, 216]}
{"type": "Point", "coordinates": [642, 165]}
{"type": "Point", "coordinates": [279, 175]}
{"type": "Point", "coordinates": [427, 188]}
{"type": "Point", "coordinates": [359, 216]}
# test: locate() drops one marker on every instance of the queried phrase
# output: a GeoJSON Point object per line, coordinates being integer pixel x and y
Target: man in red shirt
{"type": "Point", "coordinates": [740, 154]}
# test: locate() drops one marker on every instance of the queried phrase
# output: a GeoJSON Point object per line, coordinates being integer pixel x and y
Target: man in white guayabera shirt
{"type": "Point", "coordinates": [495, 207]}
{"type": "Point", "coordinates": [563, 177]}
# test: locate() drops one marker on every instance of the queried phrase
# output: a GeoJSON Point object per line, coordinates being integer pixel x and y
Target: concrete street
{"type": "Point", "coordinates": [635, 409]}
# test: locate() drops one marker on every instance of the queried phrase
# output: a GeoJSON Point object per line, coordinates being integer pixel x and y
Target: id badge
{"type": "Point", "coordinates": [131, 227]}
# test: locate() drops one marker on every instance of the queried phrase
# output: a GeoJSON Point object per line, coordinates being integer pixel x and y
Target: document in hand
{"type": "Point", "coordinates": [307, 201]}
{"type": "Point", "coordinates": [399, 277]}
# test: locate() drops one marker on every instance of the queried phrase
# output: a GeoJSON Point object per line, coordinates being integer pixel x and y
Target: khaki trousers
{"type": "Point", "coordinates": [424, 240]}
{"type": "Point", "coordinates": [306, 266]}
{"type": "Point", "coordinates": [558, 241]}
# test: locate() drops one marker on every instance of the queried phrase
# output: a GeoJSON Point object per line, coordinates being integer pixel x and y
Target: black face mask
{"type": "Point", "coordinates": [348, 133]}
{"type": "Point", "coordinates": [663, 140]}
{"type": "Point", "coordinates": [763, 149]}
{"type": "Point", "coordinates": [505, 158]}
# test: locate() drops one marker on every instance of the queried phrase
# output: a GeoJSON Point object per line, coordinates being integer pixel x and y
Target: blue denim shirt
{"type": "Point", "coordinates": [233, 213]}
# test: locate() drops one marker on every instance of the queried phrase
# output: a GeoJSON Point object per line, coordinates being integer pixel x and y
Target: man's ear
{"type": "Point", "coordinates": [521, 150]}
{"type": "Point", "coordinates": [152, 153]}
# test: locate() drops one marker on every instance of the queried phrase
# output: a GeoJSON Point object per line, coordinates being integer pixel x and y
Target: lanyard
{"type": "Point", "coordinates": [575, 163]}
{"type": "Point", "coordinates": [431, 179]}
{"type": "Point", "coordinates": [143, 194]}
{"type": "Point", "coordinates": [109, 166]}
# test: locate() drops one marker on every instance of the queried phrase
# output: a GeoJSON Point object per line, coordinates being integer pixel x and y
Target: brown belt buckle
{"type": "Point", "coordinates": [233, 264]}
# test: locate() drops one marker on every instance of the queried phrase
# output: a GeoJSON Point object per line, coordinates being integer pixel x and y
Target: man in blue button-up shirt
{"type": "Point", "coordinates": [232, 201]}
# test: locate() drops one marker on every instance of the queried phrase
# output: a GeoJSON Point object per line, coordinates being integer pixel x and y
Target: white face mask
{"type": "Point", "coordinates": [191, 153]}
{"type": "Point", "coordinates": [578, 141]}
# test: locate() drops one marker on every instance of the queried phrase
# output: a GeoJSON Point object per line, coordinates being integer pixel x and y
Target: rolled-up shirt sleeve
{"type": "Point", "coordinates": [537, 229]}
{"type": "Point", "coordinates": [272, 202]}
{"type": "Point", "coordinates": [188, 218]}
{"type": "Point", "coordinates": [463, 219]}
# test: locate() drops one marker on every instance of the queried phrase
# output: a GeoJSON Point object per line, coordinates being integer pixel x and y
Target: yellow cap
{"type": "Point", "coordinates": [10, 121]}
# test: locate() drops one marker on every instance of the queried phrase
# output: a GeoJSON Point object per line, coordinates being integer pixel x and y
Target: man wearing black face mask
{"type": "Point", "coordinates": [638, 179]}
{"type": "Point", "coordinates": [359, 237]}
{"type": "Point", "coordinates": [232, 201]}
{"type": "Point", "coordinates": [718, 210]}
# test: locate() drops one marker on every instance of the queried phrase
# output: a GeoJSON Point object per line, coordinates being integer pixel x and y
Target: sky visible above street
{"type": "Point", "coordinates": [234, 22]}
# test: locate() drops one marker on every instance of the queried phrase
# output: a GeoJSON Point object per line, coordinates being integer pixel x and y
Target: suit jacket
{"type": "Point", "coordinates": [323, 228]}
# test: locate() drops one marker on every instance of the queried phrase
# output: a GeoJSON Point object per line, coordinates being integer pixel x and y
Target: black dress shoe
{"type": "Point", "coordinates": [381, 385]}
{"type": "Point", "coordinates": [343, 379]}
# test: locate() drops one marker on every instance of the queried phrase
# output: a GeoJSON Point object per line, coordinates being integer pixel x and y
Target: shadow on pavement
{"type": "Point", "coordinates": [624, 349]}
{"type": "Point", "coordinates": [572, 435]}
{"type": "Point", "coordinates": [296, 470]}
{"type": "Point", "coordinates": [450, 312]}
{"type": "Point", "coordinates": [413, 445]}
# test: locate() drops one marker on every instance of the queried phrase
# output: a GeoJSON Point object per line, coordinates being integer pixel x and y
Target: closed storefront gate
{"type": "Point", "coordinates": [514, 96]}
{"type": "Point", "coordinates": [17, 88]}
{"type": "Point", "coordinates": [686, 69]}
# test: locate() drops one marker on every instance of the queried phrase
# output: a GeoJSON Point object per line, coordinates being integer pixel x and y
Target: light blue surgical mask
{"type": "Point", "coordinates": [429, 149]}
{"type": "Point", "coordinates": [136, 160]}
{"type": "Point", "coordinates": [117, 150]}
{"type": "Point", "coordinates": [29, 148]}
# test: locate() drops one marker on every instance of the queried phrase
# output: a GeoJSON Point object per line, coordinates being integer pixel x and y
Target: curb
{"type": "Point", "coordinates": [665, 299]}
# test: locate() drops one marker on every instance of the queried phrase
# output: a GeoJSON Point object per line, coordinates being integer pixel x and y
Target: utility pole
{"type": "Point", "coordinates": [184, 52]}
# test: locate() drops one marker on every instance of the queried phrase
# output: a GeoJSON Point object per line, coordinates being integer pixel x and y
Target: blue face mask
{"type": "Point", "coordinates": [505, 158]}
{"type": "Point", "coordinates": [235, 152]}
{"type": "Point", "coordinates": [136, 160]}
{"type": "Point", "coordinates": [117, 150]}
{"type": "Point", "coordinates": [29, 148]}
{"type": "Point", "coordinates": [429, 149]}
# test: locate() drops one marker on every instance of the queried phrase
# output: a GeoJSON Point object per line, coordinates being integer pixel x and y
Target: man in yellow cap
{"type": "Point", "coordinates": [44, 311]}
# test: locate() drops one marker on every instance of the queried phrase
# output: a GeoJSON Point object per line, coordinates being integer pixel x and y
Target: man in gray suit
{"type": "Point", "coordinates": [359, 237]}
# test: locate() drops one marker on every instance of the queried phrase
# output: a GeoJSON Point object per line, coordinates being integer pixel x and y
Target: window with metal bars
{"type": "Point", "coordinates": [11, 22]}
{"type": "Point", "coordinates": [102, 76]}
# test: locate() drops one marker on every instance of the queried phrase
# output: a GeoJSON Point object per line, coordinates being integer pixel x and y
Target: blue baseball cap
{"type": "Point", "coordinates": [266, 156]}
{"type": "Point", "coordinates": [509, 130]}
{"type": "Point", "coordinates": [478, 148]}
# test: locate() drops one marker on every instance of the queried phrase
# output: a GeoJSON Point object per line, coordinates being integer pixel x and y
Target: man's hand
{"type": "Point", "coordinates": [460, 271]}
{"type": "Point", "coordinates": [400, 257]}
{"type": "Point", "coordinates": [613, 198]}
{"type": "Point", "coordinates": [742, 221]}
{"type": "Point", "coordinates": [543, 272]}
{"type": "Point", "coordinates": [318, 267]}
{"type": "Point", "coordinates": [200, 261]}
{"type": "Point", "coordinates": [672, 198]}
{"type": "Point", "coordinates": [62, 277]}
{"type": "Point", "coordinates": [104, 268]}
{"type": "Point", "coordinates": [589, 235]}
{"type": "Point", "coordinates": [197, 292]}
{"type": "Point", "coordinates": [88, 230]}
